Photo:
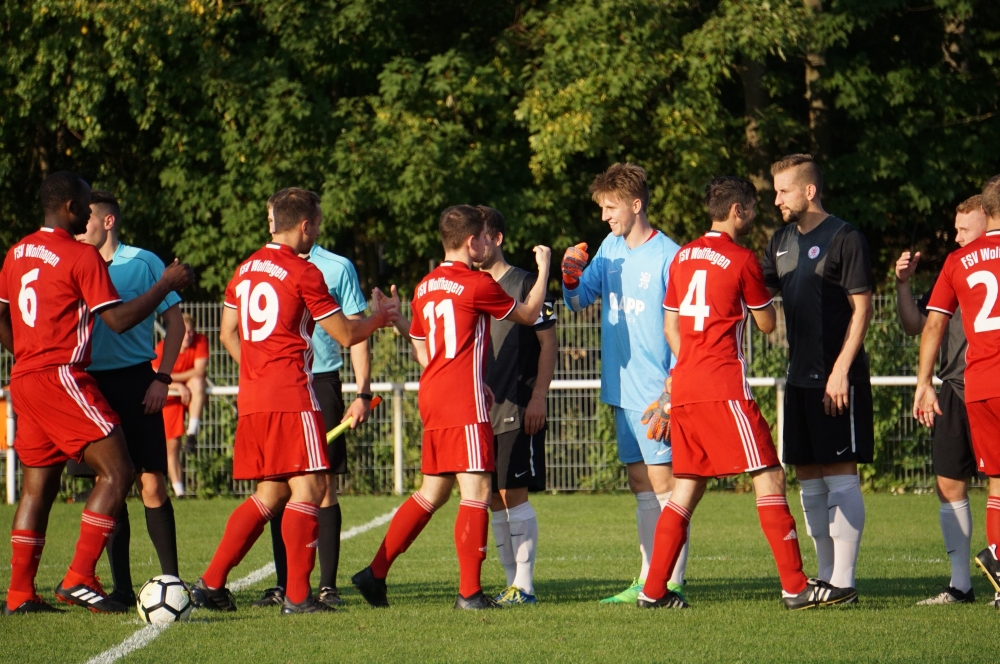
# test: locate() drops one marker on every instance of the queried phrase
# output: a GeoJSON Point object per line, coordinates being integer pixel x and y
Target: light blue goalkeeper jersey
{"type": "Point", "coordinates": [631, 283]}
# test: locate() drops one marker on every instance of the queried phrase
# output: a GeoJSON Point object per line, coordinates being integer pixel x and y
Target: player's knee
{"type": "Point", "coordinates": [118, 477]}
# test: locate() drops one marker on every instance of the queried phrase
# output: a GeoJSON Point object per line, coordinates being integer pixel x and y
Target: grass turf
{"type": "Point", "coordinates": [587, 551]}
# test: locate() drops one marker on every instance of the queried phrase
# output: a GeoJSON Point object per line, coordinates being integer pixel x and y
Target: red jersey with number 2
{"type": "Point", "coordinates": [712, 283]}
{"type": "Point", "coordinates": [970, 279]}
{"type": "Point", "coordinates": [451, 311]}
{"type": "Point", "coordinates": [277, 296]}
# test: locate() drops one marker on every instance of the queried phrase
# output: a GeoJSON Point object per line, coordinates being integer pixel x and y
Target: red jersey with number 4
{"type": "Point", "coordinates": [451, 311]}
{"type": "Point", "coordinates": [712, 283]}
{"type": "Point", "coordinates": [970, 279]}
{"type": "Point", "coordinates": [278, 297]}
{"type": "Point", "coordinates": [54, 285]}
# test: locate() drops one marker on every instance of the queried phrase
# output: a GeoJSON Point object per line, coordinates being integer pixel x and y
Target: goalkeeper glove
{"type": "Point", "coordinates": [573, 262]}
{"type": "Point", "coordinates": [657, 415]}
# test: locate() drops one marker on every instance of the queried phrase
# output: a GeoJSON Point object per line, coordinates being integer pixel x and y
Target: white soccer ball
{"type": "Point", "coordinates": [163, 600]}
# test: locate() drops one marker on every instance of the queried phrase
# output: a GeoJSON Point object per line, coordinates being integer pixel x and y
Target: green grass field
{"type": "Point", "coordinates": [587, 550]}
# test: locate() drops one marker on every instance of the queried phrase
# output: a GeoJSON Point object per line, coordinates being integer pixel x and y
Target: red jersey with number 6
{"type": "Point", "coordinates": [970, 279]}
{"type": "Point", "coordinates": [712, 283]}
{"type": "Point", "coordinates": [278, 297]}
{"type": "Point", "coordinates": [451, 310]}
{"type": "Point", "coordinates": [54, 285]}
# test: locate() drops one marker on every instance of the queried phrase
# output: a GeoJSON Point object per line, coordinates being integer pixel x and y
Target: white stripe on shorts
{"type": "Point", "coordinates": [746, 435]}
{"type": "Point", "coordinates": [75, 393]}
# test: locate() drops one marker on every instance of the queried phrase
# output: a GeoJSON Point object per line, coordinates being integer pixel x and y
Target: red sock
{"type": "Point", "coordinates": [300, 531]}
{"type": "Point", "coordinates": [27, 546]}
{"type": "Point", "coordinates": [470, 543]}
{"type": "Point", "coordinates": [409, 521]}
{"type": "Point", "coordinates": [671, 533]}
{"type": "Point", "coordinates": [779, 529]}
{"type": "Point", "coordinates": [95, 529]}
{"type": "Point", "coordinates": [993, 521]}
{"type": "Point", "coordinates": [245, 525]}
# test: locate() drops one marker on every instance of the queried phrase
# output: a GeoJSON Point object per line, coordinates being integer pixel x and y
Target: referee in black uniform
{"type": "Point", "coordinates": [821, 266]}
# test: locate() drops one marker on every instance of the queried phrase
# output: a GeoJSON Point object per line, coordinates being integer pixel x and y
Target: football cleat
{"type": "Point", "coordinates": [330, 597]}
{"type": "Point", "coordinates": [271, 597]}
{"type": "Point", "coordinates": [34, 605]}
{"type": "Point", "coordinates": [677, 589]}
{"type": "Point", "coordinates": [987, 561]}
{"type": "Point", "coordinates": [950, 595]}
{"type": "Point", "coordinates": [308, 605]}
{"type": "Point", "coordinates": [476, 602]}
{"type": "Point", "coordinates": [820, 593]}
{"type": "Point", "coordinates": [219, 599]}
{"type": "Point", "coordinates": [91, 596]}
{"type": "Point", "coordinates": [191, 443]}
{"type": "Point", "coordinates": [372, 589]}
{"type": "Point", "coordinates": [123, 597]}
{"type": "Point", "coordinates": [513, 596]}
{"type": "Point", "coordinates": [628, 596]}
{"type": "Point", "coordinates": [669, 601]}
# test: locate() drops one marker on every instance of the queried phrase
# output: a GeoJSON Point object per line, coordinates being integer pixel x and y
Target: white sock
{"type": "Point", "coordinates": [817, 515]}
{"type": "Point", "coordinates": [178, 488]}
{"type": "Point", "coordinates": [646, 516]}
{"type": "Point", "coordinates": [682, 558]}
{"type": "Point", "coordinates": [847, 523]}
{"type": "Point", "coordinates": [193, 424]}
{"type": "Point", "coordinates": [523, 540]}
{"type": "Point", "coordinates": [956, 526]}
{"type": "Point", "coordinates": [501, 533]}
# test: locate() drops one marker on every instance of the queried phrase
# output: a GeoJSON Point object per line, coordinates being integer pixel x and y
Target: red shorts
{"type": "Point", "coordinates": [720, 438]}
{"type": "Point", "coordinates": [59, 412]}
{"type": "Point", "coordinates": [465, 449]}
{"type": "Point", "coordinates": [984, 425]}
{"type": "Point", "coordinates": [277, 445]}
{"type": "Point", "coordinates": [173, 418]}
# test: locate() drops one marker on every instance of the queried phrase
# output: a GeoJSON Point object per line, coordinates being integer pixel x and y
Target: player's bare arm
{"type": "Point", "coordinates": [361, 362]}
{"type": "Point", "coordinates": [672, 330]}
{"type": "Point", "coordinates": [909, 314]}
{"type": "Point", "coordinates": [156, 393]}
{"type": "Point", "coordinates": [534, 413]}
{"type": "Point", "coordinates": [6, 332]}
{"type": "Point", "coordinates": [766, 318]}
{"type": "Point", "coordinates": [925, 399]}
{"type": "Point", "coordinates": [836, 398]}
{"type": "Point", "coordinates": [229, 333]}
{"type": "Point", "coordinates": [349, 332]}
{"type": "Point", "coordinates": [527, 312]}
{"type": "Point", "coordinates": [124, 316]}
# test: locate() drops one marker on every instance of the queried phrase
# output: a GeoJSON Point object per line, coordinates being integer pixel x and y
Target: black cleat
{"type": "Point", "coordinates": [90, 597]}
{"type": "Point", "coordinates": [330, 597]}
{"type": "Point", "coordinates": [122, 597]}
{"type": "Point", "coordinates": [820, 593]}
{"type": "Point", "coordinates": [987, 561]}
{"type": "Point", "coordinates": [272, 597]}
{"type": "Point", "coordinates": [372, 589]}
{"type": "Point", "coordinates": [669, 601]}
{"type": "Point", "coordinates": [308, 605]}
{"type": "Point", "coordinates": [477, 602]}
{"type": "Point", "coordinates": [191, 443]}
{"type": "Point", "coordinates": [950, 595]}
{"type": "Point", "coordinates": [220, 599]}
{"type": "Point", "coordinates": [34, 605]}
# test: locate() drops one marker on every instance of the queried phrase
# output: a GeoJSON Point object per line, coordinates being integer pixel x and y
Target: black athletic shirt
{"type": "Point", "coordinates": [953, 348]}
{"type": "Point", "coordinates": [513, 360]}
{"type": "Point", "coordinates": [815, 273]}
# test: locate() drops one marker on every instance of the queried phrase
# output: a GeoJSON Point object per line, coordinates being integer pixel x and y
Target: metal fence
{"type": "Point", "coordinates": [384, 454]}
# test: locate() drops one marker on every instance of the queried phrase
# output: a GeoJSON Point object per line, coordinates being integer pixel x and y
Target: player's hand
{"type": "Point", "coordinates": [543, 257]}
{"type": "Point", "coordinates": [836, 397]}
{"type": "Point", "coordinates": [184, 392]}
{"type": "Point", "coordinates": [906, 266]}
{"type": "Point", "coordinates": [359, 409]}
{"type": "Point", "coordinates": [490, 399]}
{"type": "Point", "coordinates": [534, 415]}
{"type": "Point", "coordinates": [178, 275]}
{"type": "Point", "coordinates": [657, 415]}
{"type": "Point", "coordinates": [925, 405]}
{"type": "Point", "coordinates": [386, 306]}
{"type": "Point", "coordinates": [156, 397]}
{"type": "Point", "coordinates": [573, 262]}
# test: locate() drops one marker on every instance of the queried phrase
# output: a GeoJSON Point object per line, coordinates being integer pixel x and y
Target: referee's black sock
{"type": "Point", "coordinates": [278, 546]}
{"type": "Point", "coordinates": [330, 523]}
{"type": "Point", "coordinates": [117, 548]}
{"type": "Point", "coordinates": [163, 533]}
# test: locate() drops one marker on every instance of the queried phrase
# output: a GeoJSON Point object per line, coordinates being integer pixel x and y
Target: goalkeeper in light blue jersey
{"type": "Point", "coordinates": [629, 275]}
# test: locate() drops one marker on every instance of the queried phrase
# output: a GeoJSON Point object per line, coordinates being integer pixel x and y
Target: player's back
{"type": "Point", "coordinates": [54, 284]}
{"type": "Point", "coordinates": [713, 281]}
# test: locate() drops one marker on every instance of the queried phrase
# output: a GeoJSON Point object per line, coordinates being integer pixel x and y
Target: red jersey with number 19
{"type": "Point", "coordinates": [718, 281]}
{"type": "Point", "coordinates": [278, 296]}
{"type": "Point", "coordinates": [451, 310]}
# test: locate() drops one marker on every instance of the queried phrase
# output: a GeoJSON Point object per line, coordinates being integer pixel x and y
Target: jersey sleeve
{"type": "Point", "coordinates": [200, 347]}
{"type": "Point", "coordinates": [156, 269]}
{"type": "Point", "coordinates": [670, 302]}
{"type": "Point", "coordinates": [348, 292]}
{"type": "Point", "coordinates": [491, 299]}
{"type": "Point", "coordinates": [769, 267]}
{"type": "Point", "coordinates": [943, 297]}
{"type": "Point", "coordinates": [314, 292]}
{"type": "Point", "coordinates": [417, 324]}
{"type": "Point", "coordinates": [91, 274]}
{"type": "Point", "coordinates": [755, 292]}
{"type": "Point", "coordinates": [855, 264]}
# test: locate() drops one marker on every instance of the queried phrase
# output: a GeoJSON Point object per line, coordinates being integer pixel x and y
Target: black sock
{"type": "Point", "coordinates": [330, 522]}
{"type": "Point", "coordinates": [163, 532]}
{"type": "Point", "coordinates": [278, 546]}
{"type": "Point", "coordinates": [117, 548]}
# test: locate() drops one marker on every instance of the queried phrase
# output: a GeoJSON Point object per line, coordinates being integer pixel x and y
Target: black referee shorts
{"type": "Point", "coordinates": [520, 461]}
{"type": "Point", "coordinates": [329, 393]}
{"type": "Point", "coordinates": [811, 436]}
{"type": "Point", "coordinates": [951, 447]}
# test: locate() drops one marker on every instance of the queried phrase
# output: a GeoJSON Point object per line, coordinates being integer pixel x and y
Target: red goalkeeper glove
{"type": "Point", "coordinates": [657, 415]}
{"type": "Point", "coordinates": [573, 262]}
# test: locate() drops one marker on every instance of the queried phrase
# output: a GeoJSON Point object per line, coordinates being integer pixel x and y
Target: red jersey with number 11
{"type": "Point", "coordinates": [970, 278]}
{"type": "Point", "coordinates": [712, 283]}
{"type": "Point", "coordinates": [451, 310]}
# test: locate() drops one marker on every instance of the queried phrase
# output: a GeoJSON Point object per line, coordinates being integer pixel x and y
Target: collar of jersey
{"type": "Point", "coordinates": [994, 232]}
{"type": "Point", "coordinates": [56, 231]}
{"type": "Point", "coordinates": [452, 264]}
{"type": "Point", "coordinates": [277, 246]}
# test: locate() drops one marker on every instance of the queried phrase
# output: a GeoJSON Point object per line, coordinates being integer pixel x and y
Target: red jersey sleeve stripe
{"type": "Point", "coordinates": [513, 305]}
{"type": "Point", "coordinates": [327, 314]}
{"type": "Point", "coordinates": [4, 301]}
{"type": "Point", "coordinates": [943, 311]}
{"type": "Point", "coordinates": [413, 336]}
{"type": "Point", "coordinates": [103, 305]}
{"type": "Point", "coordinates": [759, 306]}
{"type": "Point", "coordinates": [227, 304]}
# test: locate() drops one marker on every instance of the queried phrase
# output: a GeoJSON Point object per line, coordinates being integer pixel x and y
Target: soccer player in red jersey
{"type": "Point", "coordinates": [970, 279]}
{"type": "Point", "coordinates": [272, 303]}
{"type": "Point", "coordinates": [450, 334]}
{"type": "Point", "coordinates": [717, 429]}
{"type": "Point", "coordinates": [58, 284]}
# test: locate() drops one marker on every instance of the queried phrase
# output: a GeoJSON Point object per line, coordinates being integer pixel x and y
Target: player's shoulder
{"type": "Point", "coordinates": [324, 258]}
{"type": "Point", "coordinates": [849, 233]}
{"type": "Point", "coordinates": [665, 242]}
{"type": "Point", "coordinates": [783, 234]}
{"type": "Point", "coordinates": [128, 253]}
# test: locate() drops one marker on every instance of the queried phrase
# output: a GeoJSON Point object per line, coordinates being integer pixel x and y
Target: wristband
{"type": "Point", "coordinates": [365, 396]}
{"type": "Point", "coordinates": [163, 378]}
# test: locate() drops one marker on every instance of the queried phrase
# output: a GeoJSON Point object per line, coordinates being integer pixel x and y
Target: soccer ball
{"type": "Point", "coordinates": [163, 600]}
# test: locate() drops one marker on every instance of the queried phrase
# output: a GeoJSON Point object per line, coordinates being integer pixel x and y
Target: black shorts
{"type": "Point", "coordinates": [144, 435]}
{"type": "Point", "coordinates": [812, 436]}
{"type": "Point", "coordinates": [329, 393]}
{"type": "Point", "coordinates": [520, 461]}
{"type": "Point", "coordinates": [951, 449]}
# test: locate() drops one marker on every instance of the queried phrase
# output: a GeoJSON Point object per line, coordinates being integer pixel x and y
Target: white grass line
{"type": "Point", "coordinates": [144, 636]}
